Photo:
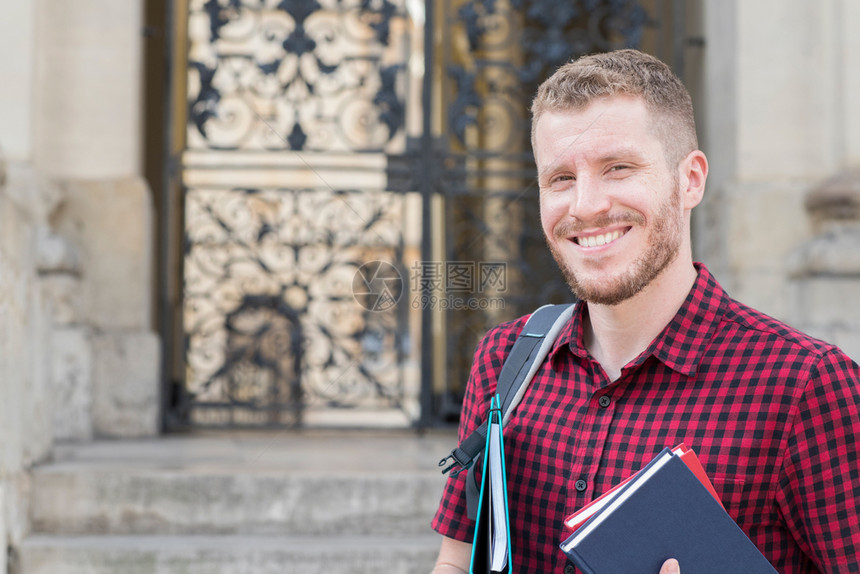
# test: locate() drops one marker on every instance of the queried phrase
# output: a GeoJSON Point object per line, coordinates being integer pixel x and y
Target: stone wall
{"type": "Point", "coordinates": [25, 398]}
{"type": "Point", "coordinates": [106, 359]}
{"type": "Point", "coordinates": [78, 355]}
{"type": "Point", "coordinates": [825, 270]}
{"type": "Point", "coordinates": [77, 359]}
{"type": "Point", "coordinates": [97, 261]}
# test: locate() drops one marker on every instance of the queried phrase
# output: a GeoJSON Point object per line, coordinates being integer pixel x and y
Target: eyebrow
{"type": "Point", "coordinates": [624, 152]}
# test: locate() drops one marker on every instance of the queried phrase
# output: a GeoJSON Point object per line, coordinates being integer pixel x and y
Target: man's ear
{"type": "Point", "coordinates": [693, 172]}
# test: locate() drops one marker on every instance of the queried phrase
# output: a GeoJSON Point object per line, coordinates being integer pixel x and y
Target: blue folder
{"type": "Point", "coordinates": [491, 544]}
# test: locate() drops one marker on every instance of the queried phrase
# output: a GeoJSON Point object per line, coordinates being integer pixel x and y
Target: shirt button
{"type": "Point", "coordinates": [569, 569]}
{"type": "Point", "coordinates": [604, 401]}
{"type": "Point", "coordinates": [580, 485]}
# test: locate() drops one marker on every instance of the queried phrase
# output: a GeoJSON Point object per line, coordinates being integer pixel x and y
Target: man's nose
{"type": "Point", "coordinates": [588, 199]}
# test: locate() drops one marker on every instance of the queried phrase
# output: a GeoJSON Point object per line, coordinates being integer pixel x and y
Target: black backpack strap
{"type": "Point", "coordinates": [530, 349]}
{"type": "Point", "coordinates": [538, 336]}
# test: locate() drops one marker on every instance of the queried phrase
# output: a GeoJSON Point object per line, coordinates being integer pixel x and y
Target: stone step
{"type": "Point", "coordinates": [45, 554]}
{"type": "Point", "coordinates": [376, 485]}
{"type": "Point", "coordinates": [168, 502]}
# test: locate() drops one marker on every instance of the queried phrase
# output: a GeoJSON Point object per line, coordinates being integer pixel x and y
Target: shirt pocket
{"type": "Point", "coordinates": [733, 492]}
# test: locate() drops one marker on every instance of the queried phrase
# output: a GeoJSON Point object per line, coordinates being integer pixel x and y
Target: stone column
{"type": "Point", "coordinates": [825, 271]}
{"type": "Point", "coordinates": [25, 429]}
{"type": "Point", "coordinates": [87, 127]}
{"type": "Point", "coordinates": [778, 120]}
{"type": "Point", "coordinates": [25, 406]}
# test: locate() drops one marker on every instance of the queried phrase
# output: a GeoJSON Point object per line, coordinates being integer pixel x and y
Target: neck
{"type": "Point", "coordinates": [617, 334]}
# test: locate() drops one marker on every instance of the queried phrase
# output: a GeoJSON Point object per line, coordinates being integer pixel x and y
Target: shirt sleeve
{"type": "Point", "coordinates": [451, 518]}
{"type": "Point", "coordinates": [819, 487]}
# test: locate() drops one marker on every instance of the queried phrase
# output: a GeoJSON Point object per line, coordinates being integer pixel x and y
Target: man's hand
{"type": "Point", "coordinates": [670, 566]}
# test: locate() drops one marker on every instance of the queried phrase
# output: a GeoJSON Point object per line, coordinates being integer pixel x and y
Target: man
{"type": "Point", "coordinates": [656, 353]}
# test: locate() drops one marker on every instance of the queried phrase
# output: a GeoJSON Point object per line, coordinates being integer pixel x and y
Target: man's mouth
{"type": "Point", "coordinates": [598, 240]}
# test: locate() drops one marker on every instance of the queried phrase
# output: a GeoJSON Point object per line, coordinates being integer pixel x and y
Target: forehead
{"type": "Point", "coordinates": [608, 125]}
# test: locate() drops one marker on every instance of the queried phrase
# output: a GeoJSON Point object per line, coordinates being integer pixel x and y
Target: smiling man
{"type": "Point", "coordinates": [656, 352]}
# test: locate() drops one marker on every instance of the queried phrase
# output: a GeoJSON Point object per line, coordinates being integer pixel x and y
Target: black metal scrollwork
{"type": "Point", "coordinates": [272, 321]}
{"type": "Point", "coordinates": [296, 74]}
{"type": "Point", "coordinates": [272, 324]}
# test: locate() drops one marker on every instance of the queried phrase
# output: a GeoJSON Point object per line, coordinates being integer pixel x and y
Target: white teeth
{"type": "Point", "coordinates": [597, 240]}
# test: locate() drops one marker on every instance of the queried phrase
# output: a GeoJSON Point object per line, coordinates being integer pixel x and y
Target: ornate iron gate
{"type": "Point", "coordinates": [357, 205]}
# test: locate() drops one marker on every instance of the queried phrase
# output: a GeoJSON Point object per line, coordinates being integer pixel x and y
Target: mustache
{"type": "Point", "coordinates": [566, 228]}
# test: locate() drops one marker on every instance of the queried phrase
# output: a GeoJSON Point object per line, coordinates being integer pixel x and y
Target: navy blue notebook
{"type": "Point", "coordinates": [665, 512]}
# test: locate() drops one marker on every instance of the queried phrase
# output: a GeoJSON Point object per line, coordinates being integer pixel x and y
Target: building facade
{"type": "Point", "coordinates": [84, 271]}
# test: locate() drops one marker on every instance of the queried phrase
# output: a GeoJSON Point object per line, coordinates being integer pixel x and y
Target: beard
{"type": "Point", "coordinates": [664, 242]}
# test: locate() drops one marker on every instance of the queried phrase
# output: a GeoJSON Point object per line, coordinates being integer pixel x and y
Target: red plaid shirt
{"type": "Point", "coordinates": [773, 415]}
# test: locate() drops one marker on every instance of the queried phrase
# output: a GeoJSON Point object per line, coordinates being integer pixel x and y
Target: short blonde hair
{"type": "Point", "coordinates": [625, 72]}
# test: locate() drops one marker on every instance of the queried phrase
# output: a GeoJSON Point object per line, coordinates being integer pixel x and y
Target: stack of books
{"type": "Point", "coordinates": [669, 509]}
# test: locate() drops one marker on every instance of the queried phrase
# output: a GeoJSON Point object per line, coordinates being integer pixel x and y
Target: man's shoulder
{"type": "Point", "coordinates": [490, 355]}
{"type": "Point", "coordinates": [499, 340]}
{"type": "Point", "coordinates": [739, 325]}
{"type": "Point", "coordinates": [760, 325]}
{"type": "Point", "coordinates": [504, 334]}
